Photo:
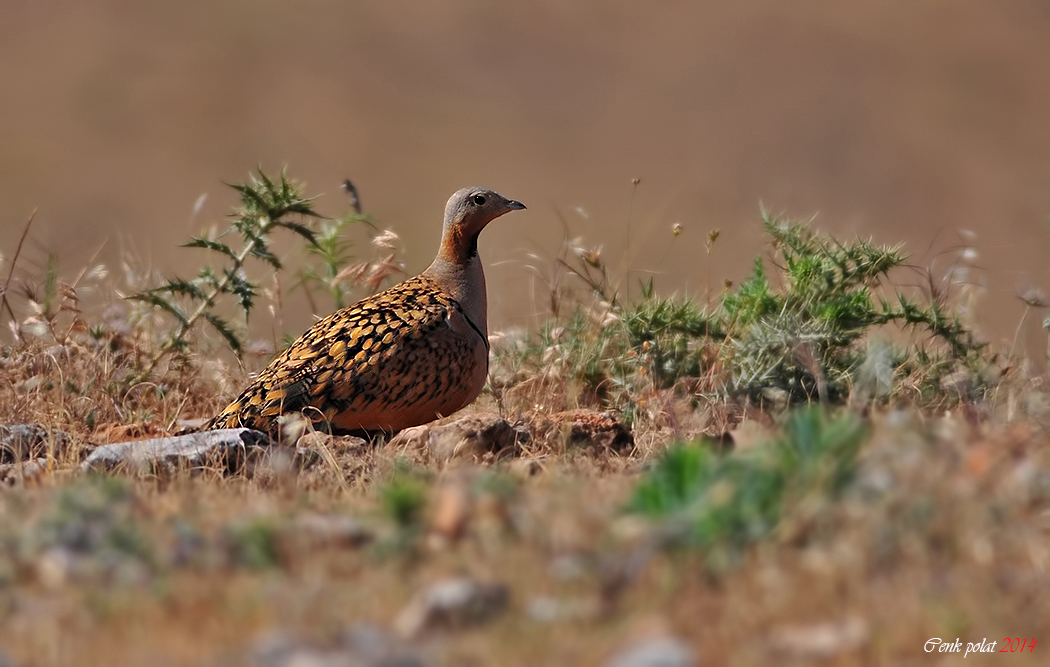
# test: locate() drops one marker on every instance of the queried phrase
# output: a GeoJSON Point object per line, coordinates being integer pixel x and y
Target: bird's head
{"type": "Point", "coordinates": [466, 214]}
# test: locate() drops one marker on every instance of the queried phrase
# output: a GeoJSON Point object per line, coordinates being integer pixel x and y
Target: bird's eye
{"type": "Point", "coordinates": [479, 200]}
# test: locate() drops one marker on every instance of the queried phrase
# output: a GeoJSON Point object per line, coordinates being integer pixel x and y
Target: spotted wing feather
{"type": "Point", "coordinates": [399, 358]}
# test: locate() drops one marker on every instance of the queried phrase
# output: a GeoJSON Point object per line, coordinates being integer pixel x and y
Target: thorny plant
{"type": "Point", "coordinates": [266, 206]}
{"type": "Point", "coordinates": [331, 267]}
{"type": "Point", "coordinates": [801, 339]}
{"type": "Point", "coordinates": [793, 337]}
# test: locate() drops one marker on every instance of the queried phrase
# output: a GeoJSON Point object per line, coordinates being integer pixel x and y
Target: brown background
{"type": "Point", "coordinates": [905, 120]}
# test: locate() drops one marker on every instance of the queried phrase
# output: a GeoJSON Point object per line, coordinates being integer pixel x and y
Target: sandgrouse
{"type": "Point", "coordinates": [400, 358]}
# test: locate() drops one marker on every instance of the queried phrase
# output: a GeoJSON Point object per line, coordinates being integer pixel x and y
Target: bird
{"type": "Point", "coordinates": [403, 357]}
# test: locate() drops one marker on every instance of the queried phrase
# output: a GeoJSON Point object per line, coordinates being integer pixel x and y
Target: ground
{"type": "Point", "coordinates": [940, 532]}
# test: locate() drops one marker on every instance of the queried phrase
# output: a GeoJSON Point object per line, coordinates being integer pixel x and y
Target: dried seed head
{"type": "Point", "coordinates": [387, 240]}
{"type": "Point", "coordinates": [1034, 298]}
{"type": "Point", "coordinates": [590, 256]}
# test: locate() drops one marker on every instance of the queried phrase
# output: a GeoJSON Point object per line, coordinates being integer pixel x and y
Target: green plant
{"type": "Point", "coordinates": [330, 254]}
{"type": "Point", "coordinates": [722, 504]}
{"type": "Point", "coordinates": [800, 340]}
{"type": "Point", "coordinates": [266, 205]}
{"type": "Point", "coordinates": [671, 333]}
{"type": "Point", "coordinates": [798, 331]}
{"type": "Point", "coordinates": [93, 519]}
{"type": "Point", "coordinates": [253, 543]}
{"type": "Point", "coordinates": [403, 499]}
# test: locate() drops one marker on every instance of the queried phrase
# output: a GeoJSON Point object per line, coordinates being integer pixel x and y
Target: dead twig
{"type": "Point", "coordinates": [11, 272]}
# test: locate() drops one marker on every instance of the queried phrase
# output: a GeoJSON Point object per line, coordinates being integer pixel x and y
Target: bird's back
{"type": "Point", "coordinates": [396, 359]}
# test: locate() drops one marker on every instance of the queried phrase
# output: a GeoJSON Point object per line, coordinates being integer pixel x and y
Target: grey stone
{"type": "Point", "coordinates": [822, 640]}
{"type": "Point", "coordinates": [225, 449]}
{"type": "Point", "coordinates": [19, 442]}
{"type": "Point", "coordinates": [13, 473]}
{"type": "Point", "coordinates": [656, 652]}
{"type": "Point", "coordinates": [362, 645]}
{"type": "Point", "coordinates": [452, 603]}
{"type": "Point", "coordinates": [319, 530]}
{"type": "Point", "coordinates": [545, 609]}
{"type": "Point", "coordinates": [378, 648]}
{"type": "Point", "coordinates": [287, 650]}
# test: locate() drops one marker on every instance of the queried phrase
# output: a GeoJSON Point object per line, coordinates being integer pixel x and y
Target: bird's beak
{"type": "Point", "coordinates": [515, 205]}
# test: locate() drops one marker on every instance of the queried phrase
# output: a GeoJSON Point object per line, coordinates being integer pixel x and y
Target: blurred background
{"type": "Point", "coordinates": [913, 122]}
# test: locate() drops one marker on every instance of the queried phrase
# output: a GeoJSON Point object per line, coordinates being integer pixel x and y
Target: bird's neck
{"type": "Point", "coordinates": [464, 280]}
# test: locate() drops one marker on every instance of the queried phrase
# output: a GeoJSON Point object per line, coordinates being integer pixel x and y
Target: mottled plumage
{"type": "Point", "coordinates": [403, 357]}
